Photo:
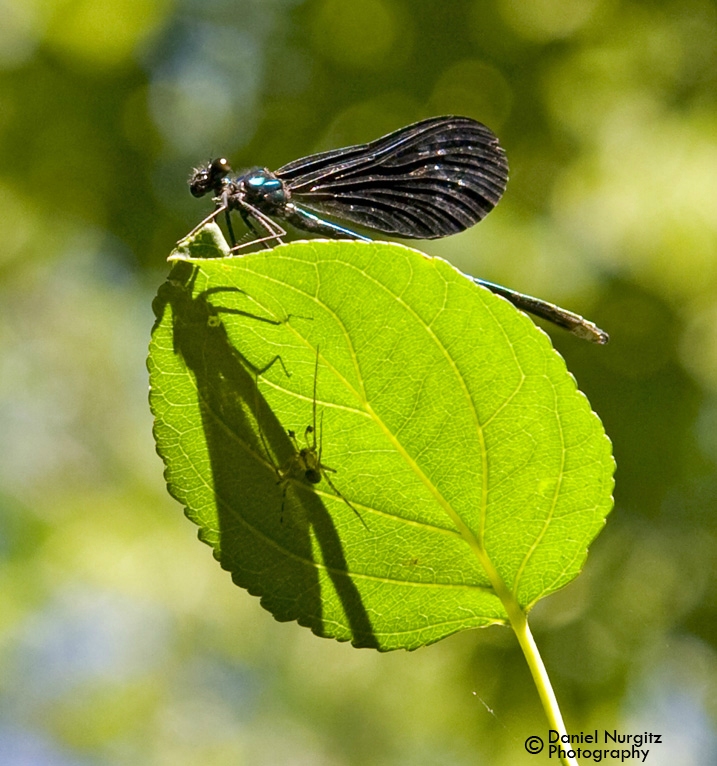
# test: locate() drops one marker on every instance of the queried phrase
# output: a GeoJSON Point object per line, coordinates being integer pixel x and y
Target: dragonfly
{"type": "Point", "coordinates": [430, 179]}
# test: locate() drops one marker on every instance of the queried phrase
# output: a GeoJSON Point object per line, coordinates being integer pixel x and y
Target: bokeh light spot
{"type": "Point", "coordinates": [542, 20]}
{"type": "Point", "coordinates": [192, 109]}
{"type": "Point", "coordinates": [474, 89]}
{"type": "Point", "coordinates": [19, 31]}
{"type": "Point", "coordinates": [359, 35]}
{"type": "Point", "coordinates": [698, 346]}
{"type": "Point", "coordinates": [104, 32]}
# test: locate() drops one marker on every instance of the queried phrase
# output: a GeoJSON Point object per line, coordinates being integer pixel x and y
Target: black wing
{"type": "Point", "coordinates": [427, 180]}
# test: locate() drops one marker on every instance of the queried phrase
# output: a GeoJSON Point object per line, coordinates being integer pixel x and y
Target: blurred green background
{"type": "Point", "coordinates": [121, 640]}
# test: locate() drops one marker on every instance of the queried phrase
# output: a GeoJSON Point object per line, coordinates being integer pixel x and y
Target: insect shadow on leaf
{"type": "Point", "coordinates": [305, 464]}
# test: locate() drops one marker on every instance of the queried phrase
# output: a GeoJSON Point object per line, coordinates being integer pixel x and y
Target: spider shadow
{"type": "Point", "coordinates": [271, 559]}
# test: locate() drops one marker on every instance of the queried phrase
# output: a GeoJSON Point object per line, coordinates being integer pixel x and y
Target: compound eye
{"type": "Point", "coordinates": [218, 169]}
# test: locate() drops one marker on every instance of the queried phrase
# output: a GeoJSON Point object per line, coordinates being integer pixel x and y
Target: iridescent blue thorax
{"type": "Point", "coordinates": [261, 188]}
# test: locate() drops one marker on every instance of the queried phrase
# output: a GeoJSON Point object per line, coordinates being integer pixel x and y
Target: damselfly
{"type": "Point", "coordinates": [431, 179]}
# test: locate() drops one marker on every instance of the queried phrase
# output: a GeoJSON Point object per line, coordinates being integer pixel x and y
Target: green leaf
{"type": "Point", "coordinates": [452, 424]}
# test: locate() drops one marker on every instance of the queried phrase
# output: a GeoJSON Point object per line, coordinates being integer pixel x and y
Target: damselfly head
{"type": "Point", "coordinates": [209, 178]}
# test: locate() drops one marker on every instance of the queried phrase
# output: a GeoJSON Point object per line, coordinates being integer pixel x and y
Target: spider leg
{"type": "Point", "coordinates": [336, 490]}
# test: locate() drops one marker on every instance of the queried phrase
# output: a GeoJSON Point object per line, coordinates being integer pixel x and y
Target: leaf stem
{"type": "Point", "coordinates": [519, 623]}
{"type": "Point", "coordinates": [540, 676]}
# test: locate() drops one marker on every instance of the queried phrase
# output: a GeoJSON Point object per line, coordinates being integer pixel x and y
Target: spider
{"type": "Point", "coordinates": [305, 464]}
